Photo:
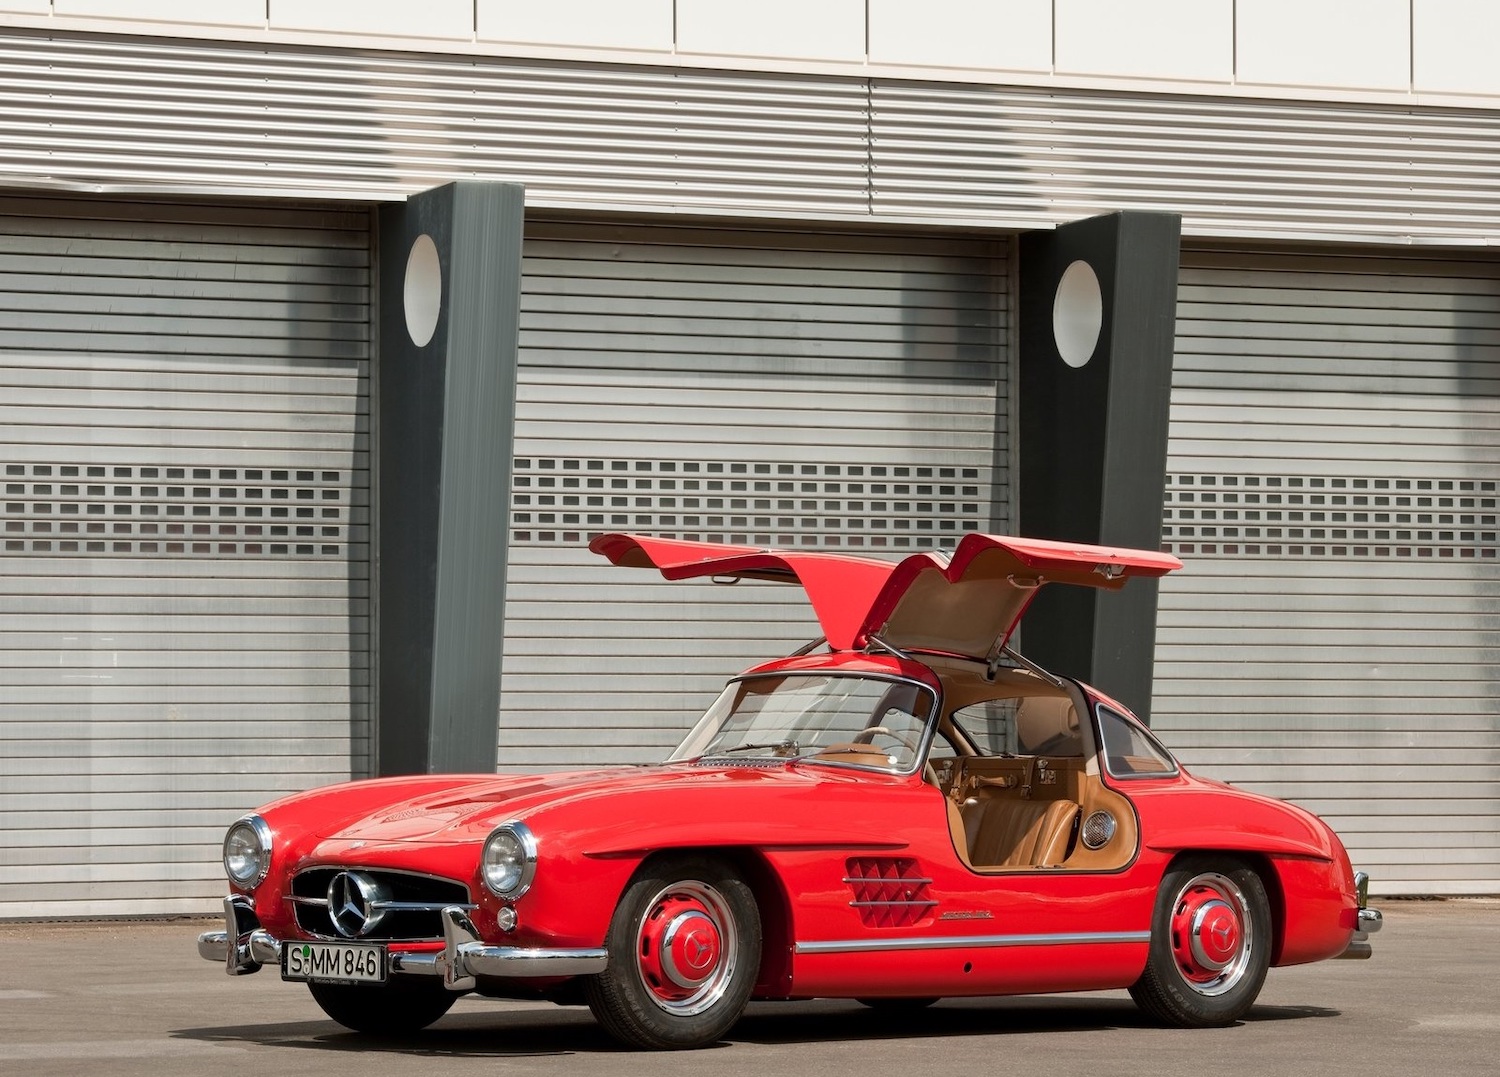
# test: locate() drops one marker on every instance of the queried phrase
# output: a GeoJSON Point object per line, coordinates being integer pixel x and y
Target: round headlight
{"type": "Point", "coordinates": [247, 851]}
{"type": "Point", "coordinates": [509, 860]}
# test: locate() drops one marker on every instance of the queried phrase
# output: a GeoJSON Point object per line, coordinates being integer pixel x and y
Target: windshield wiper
{"type": "Point", "coordinates": [789, 746]}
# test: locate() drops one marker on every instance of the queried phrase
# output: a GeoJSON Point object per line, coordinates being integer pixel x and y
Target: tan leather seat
{"type": "Point", "coordinates": [1020, 833]}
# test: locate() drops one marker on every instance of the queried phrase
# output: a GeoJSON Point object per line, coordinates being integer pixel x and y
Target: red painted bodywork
{"type": "Point", "coordinates": [800, 830]}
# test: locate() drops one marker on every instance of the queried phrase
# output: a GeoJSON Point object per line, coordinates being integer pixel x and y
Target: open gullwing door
{"type": "Point", "coordinates": [967, 603]}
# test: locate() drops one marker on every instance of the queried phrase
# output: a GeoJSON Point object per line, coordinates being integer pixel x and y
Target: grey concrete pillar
{"type": "Point", "coordinates": [1098, 320]}
{"type": "Point", "coordinates": [450, 283]}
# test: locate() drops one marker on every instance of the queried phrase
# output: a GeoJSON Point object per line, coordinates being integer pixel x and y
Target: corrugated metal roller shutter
{"type": "Point", "coordinates": [184, 585]}
{"type": "Point", "coordinates": [1335, 451]}
{"type": "Point", "coordinates": [780, 389]}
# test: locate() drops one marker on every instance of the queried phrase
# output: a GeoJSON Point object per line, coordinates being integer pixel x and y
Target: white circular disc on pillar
{"type": "Point", "coordinates": [423, 294]}
{"type": "Point", "coordinates": [1077, 314]}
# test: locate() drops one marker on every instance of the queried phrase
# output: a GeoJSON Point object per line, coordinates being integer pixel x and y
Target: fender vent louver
{"type": "Point", "coordinates": [888, 890]}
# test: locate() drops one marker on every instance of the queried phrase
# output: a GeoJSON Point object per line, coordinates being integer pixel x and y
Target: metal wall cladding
{"type": "Point", "coordinates": [160, 115]}
{"type": "Point", "coordinates": [1334, 477]}
{"type": "Point", "coordinates": [763, 388]}
{"type": "Point", "coordinates": [1231, 167]}
{"type": "Point", "coordinates": [175, 115]}
{"type": "Point", "coordinates": [184, 599]}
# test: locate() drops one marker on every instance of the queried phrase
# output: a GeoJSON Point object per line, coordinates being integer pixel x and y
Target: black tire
{"type": "Point", "coordinates": [400, 1007]}
{"type": "Point", "coordinates": [684, 954]}
{"type": "Point", "coordinates": [1210, 944]}
{"type": "Point", "coordinates": [897, 1005]}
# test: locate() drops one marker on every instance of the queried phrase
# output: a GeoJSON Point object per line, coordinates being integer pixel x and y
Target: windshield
{"type": "Point", "coordinates": [865, 721]}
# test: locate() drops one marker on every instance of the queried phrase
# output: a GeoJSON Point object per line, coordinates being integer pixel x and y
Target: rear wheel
{"type": "Point", "coordinates": [1210, 944]}
{"type": "Point", "coordinates": [403, 1006]}
{"type": "Point", "coordinates": [684, 953]}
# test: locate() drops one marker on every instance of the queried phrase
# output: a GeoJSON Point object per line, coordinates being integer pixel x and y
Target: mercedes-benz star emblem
{"type": "Point", "coordinates": [355, 903]}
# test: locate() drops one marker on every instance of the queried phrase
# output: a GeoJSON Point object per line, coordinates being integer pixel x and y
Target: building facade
{"type": "Point", "coordinates": [768, 295]}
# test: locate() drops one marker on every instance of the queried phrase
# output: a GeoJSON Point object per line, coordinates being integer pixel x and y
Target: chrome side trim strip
{"type": "Point", "coordinates": [968, 942]}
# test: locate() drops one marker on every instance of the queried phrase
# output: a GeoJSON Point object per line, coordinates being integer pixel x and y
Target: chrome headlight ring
{"type": "Point", "coordinates": [247, 852]}
{"type": "Point", "coordinates": [507, 865]}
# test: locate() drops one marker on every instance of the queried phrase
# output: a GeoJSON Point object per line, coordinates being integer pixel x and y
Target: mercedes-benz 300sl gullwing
{"type": "Point", "coordinates": [905, 810]}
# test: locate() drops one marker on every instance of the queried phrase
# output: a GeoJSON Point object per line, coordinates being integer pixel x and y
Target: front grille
{"type": "Point", "coordinates": [410, 906]}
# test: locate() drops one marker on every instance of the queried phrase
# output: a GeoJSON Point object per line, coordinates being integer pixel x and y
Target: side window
{"type": "Point", "coordinates": [1048, 725]}
{"type": "Point", "coordinates": [990, 725]}
{"type": "Point", "coordinates": [1131, 752]}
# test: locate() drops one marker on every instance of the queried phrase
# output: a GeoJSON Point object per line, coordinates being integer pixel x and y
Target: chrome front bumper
{"type": "Point", "coordinates": [1368, 923]}
{"type": "Point", "coordinates": [244, 946]}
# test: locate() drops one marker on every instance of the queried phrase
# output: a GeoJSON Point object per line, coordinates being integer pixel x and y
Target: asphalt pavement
{"type": "Point", "coordinates": [134, 998]}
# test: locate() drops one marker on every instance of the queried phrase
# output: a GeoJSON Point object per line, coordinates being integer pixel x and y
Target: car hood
{"type": "Point", "coordinates": [468, 812]}
{"type": "Point", "coordinates": [967, 603]}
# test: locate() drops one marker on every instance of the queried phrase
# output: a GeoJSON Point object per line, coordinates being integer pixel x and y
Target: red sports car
{"type": "Point", "coordinates": [904, 810]}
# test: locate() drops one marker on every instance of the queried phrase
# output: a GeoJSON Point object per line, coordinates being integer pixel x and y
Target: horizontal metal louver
{"type": "Point", "coordinates": [784, 389]}
{"type": "Point", "coordinates": [178, 115]}
{"type": "Point", "coordinates": [160, 115]}
{"type": "Point", "coordinates": [1334, 487]}
{"type": "Point", "coordinates": [184, 606]}
{"type": "Point", "coordinates": [1230, 166]}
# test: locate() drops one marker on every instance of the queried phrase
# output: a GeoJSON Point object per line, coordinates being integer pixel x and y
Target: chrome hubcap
{"type": "Point", "coordinates": [1212, 935]}
{"type": "Point", "coordinates": [686, 948]}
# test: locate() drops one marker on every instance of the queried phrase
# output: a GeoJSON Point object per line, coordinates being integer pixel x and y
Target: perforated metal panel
{"type": "Point", "coordinates": [786, 389]}
{"type": "Point", "coordinates": [184, 577]}
{"type": "Point", "coordinates": [1334, 464]}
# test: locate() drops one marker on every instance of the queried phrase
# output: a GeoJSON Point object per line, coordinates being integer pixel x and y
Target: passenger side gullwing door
{"type": "Point", "coordinates": [969, 603]}
{"type": "Point", "coordinates": [840, 587]}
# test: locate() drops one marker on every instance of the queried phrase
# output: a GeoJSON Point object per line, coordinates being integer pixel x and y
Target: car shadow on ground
{"type": "Point", "coordinates": [767, 1023]}
{"type": "Point", "coordinates": [571, 1030]}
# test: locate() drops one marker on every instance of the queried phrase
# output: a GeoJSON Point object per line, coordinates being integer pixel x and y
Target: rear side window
{"type": "Point", "coordinates": [1131, 752]}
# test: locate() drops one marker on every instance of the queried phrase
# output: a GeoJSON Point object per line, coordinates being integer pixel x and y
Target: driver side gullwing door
{"type": "Point", "coordinates": [964, 604]}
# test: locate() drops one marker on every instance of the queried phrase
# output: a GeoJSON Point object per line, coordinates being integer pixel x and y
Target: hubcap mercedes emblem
{"type": "Point", "coordinates": [355, 903]}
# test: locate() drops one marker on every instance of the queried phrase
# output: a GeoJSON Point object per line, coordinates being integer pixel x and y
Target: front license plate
{"type": "Point", "coordinates": [333, 962]}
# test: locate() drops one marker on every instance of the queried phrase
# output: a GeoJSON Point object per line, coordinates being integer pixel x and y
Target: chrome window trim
{"type": "Point", "coordinates": [924, 742]}
{"type": "Point", "coordinates": [1100, 709]}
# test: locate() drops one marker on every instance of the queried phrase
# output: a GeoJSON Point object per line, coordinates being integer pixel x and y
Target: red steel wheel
{"type": "Point", "coordinates": [684, 955]}
{"type": "Point", "coordinates": [1213, 939]}
{"type": "Point", "coordinates": [1210, 943]}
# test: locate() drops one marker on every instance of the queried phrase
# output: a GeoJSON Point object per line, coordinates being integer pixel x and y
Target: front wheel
{"type": "Point", "coordinates": [1210, 944]}
{"type": "Point", "coordinates": [397, 1008]}
{"type": "Point", "coordinates": [684, 953]}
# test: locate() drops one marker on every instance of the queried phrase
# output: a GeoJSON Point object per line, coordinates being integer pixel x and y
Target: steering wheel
{"type": "Point", "coordinates": [868, 733]}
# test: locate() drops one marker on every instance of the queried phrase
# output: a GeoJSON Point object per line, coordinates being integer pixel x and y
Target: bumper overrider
{"type": "Point", "coordinates": [1369, 920]}
{"type": "Point", "coordinates": [244, 946]}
